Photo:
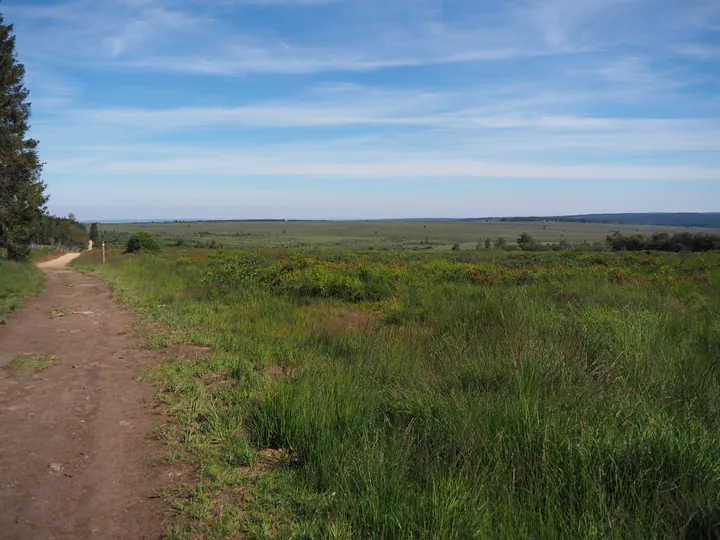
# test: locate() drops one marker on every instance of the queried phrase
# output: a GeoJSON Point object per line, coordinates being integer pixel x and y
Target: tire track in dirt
{"type": "Point", "coordinates": [76, 459]}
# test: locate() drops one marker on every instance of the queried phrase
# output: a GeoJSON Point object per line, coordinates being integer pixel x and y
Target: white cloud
{"type": "Point", "coordinates": [534, 89]}
{"type": "Point", "coordinates": [284, 2]}
{"type": "Point", "coordinates": [281, 58]}
{"type": "Point", "coordinates": [464, 116]}
{"type": "Point", "coordinates": [212, 38]}
{"type": "Point", "coordinates": [571, 22]}
{"type": "Point", "coordinates": [77, 32]}
{"type": "Point", "coordinates": [706, 52]}
{"type": "Point", "coordinates": [329, 107]}
{"type": "Point", "coordinates": [380, 167]}
{"type": "Point", "coordinates": [194, 37]}
{"type": "Point", "coordinates": [399, 135]}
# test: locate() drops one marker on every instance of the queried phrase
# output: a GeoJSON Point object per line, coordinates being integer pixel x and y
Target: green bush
{"type": "Point", "coordinates": [143, 241]}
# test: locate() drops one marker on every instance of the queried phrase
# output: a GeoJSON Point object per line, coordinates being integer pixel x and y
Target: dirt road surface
{"type": "Point", "coordinates": [76, 458]}
{"type": "Point", "coordinates": [60, 262]}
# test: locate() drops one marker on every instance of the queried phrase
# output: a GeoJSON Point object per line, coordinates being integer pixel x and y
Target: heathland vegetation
{"type": "Point", "coordinates": [419, 382]}
{"type": "Point", "coordinates": [427, 235]}
{"type": "Point", "coordinates": [665, 242]}
{"type": "Point", "coordinates": [460, 394]}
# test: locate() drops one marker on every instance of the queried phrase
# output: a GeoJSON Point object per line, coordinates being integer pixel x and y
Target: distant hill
{"type": "Point", "coordinates": [678, 219]}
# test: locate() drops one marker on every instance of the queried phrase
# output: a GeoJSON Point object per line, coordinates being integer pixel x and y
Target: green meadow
{"type": "Point", "coordinates": [17, 282]}
{"type": "Point", "coordinates": [367, 235]}
{"type": "Point", "coordinates": [344, 394]}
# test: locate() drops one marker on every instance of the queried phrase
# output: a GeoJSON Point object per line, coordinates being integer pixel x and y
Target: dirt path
{"type": "Point", "coordinates": [60, 262]}
{"type": "Point", "coordinates": [75, 457]}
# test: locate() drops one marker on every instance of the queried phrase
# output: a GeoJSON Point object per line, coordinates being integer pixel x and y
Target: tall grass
{"type": "Point", "coordinates": [550, 395]}
{"type": "Point", "coordinates": [17, 282]}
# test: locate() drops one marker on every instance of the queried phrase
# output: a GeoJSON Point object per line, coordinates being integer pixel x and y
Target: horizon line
{"type": "Point", "coordinates": [330, 220]}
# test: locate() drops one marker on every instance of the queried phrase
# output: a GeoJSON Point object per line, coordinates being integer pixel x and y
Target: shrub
{"type": "Point", "coordinates": [664, 242]}
{"type": "Point", "coordinates": [143, 241]}
{"type": "Point", "coordinates": [525, 238]}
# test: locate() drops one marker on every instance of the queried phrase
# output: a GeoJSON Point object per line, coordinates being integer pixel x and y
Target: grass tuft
{"type": "Point", "coordinates": [30, 363]}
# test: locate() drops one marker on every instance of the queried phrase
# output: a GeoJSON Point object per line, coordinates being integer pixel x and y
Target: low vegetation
{"type": "Point", "coordinates": [17, 282]}
{"type": "Point", "coordinates": [465, 395]}
{"type": "Point", "coordinates": [143, 241]}
{"type": "Point", "coordinates": [30, 363]}
{"type": "Point", "coordinates": [664, 242]}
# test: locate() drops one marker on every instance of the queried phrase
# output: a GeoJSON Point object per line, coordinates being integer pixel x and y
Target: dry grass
{"type": "Point", "coordinates": [335, 320]}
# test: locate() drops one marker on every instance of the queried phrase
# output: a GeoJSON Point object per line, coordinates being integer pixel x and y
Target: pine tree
{"type": "Point", "coordinates": [94, 234]}
{"type": "Point", "coordinates": [22, 193]}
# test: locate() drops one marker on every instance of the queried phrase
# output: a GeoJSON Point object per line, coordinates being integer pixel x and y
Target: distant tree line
{"type": "Point", "coordinates": [615, 242]}
{"type": "Point", "coordinates": [527, 243]}
{"type": "Point", "coordinates": [231, 220]}
{"type": "Point", "coordinates": [664, 242]}
{"type": "Point", "coordinates": [61, 232]}
{"type": "Point", "coordinates": [665, 219]}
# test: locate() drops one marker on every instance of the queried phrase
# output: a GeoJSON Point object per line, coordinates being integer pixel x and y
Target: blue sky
{"type": "Point", "coordinates": [373, 108]}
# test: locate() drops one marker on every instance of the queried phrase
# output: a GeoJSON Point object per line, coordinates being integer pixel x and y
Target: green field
{"type": "Point", "coordinates": [420, 395]}
{"type": "Point", "coordinates": [17, 282]}
{"type": "Point", "coordinates": [363, 235]}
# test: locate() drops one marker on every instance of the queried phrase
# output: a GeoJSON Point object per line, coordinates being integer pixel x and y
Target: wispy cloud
{"type": "Point", "coordinates": [363, 91]}
{"type": "Point", "coordinates": [278, 58]}
{"type": "Point", "coordinates": [154, 35]}
{"type": "Point", "coordinates": [243, 167]}
{"type": "Point", "coordinates": [283, 2]}
{"type": "Point", "coordinates": [192, 36]}
{"type": "Point", "coordinates": [706, 52]}
{"type": "Point", "coordinates": [569, 22]}
{"type": "Point", "coordinates": [463, 115]}
{"type": "Point", "coordinates": [402, 135]}
{"type": "Point", "coordinates": [138, 30]}
{"type": "Point", "coordinates": [82, 31]}
{"type": "Point", "coordinates": [580, 130]}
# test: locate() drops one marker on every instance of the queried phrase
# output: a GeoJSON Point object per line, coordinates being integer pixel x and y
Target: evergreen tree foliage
{"type": "Point", "coordinates": [94, 233]}
{"type": "Point", "coordinates": [22, 193]}
{"type": "Point", "coordinates": [60, 233]}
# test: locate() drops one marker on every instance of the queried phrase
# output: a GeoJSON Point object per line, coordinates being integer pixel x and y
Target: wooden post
{"type": "Point", "coordinates": [103, 246]}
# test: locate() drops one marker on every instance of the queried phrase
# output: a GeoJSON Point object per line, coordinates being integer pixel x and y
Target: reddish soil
{"type": "Point", "coordinates": [76, 456]}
